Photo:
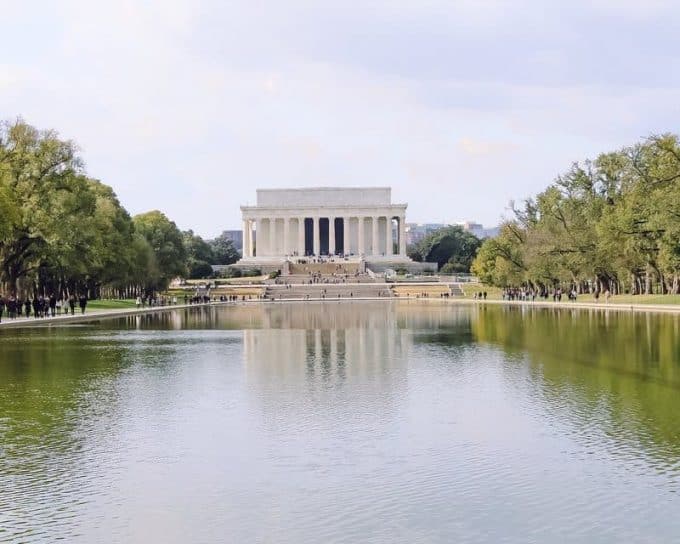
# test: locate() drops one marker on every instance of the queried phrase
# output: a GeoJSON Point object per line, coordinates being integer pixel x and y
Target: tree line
{"type": "Point", "coordinates": [612, 223]}
{"type": "Point", "coordinates": [452, 248]}
{"type": "Point", "coordinates": [64, 232]}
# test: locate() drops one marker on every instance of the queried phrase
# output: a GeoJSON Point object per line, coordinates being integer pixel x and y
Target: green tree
{"type": "Point", "coordinates": [200, 255]}
{"type": "Point", "coordinates": [224, 251]}
{"type": "Point", "coordinates": [49, 196]}
{"type": "Point", "coordinates": [451, 246]}
{"type": "Point", "coordinates": [167, 243]}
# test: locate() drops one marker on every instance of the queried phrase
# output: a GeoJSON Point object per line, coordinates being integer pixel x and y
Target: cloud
{"type": "Point", "coordinates": [482, 148]}
{"type": "Point", "coordinates": [189, 106]}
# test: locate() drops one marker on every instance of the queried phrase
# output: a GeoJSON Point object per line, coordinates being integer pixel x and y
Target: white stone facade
{"type": "Point", "coordinates": [350, 222]}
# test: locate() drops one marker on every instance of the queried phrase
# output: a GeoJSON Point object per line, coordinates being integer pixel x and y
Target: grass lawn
{"type": "Point", "coordinates": [495, 293]}
{"type": "Point", "coordinates": [492, 293]}
{"type": "Point", "coordinates": [110, 304]}
{"type": "Point", "coordinates": [637, 299]}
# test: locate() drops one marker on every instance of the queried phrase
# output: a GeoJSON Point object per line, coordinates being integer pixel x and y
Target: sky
{"type": "Point", "coordinates": [461, 106]}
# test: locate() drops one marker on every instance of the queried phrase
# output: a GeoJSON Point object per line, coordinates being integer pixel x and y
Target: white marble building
{"type": "Point", "coordinates": [358, 223]}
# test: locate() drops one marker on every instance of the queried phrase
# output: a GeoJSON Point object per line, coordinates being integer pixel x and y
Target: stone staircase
{"type": "Point", "coordinates": [326, 268]}
{"type": "Point", "coordinates": [456, 290]}
{"type": "Point", "coordinates": [295, 279]}
{"type": "Point", "coordinates": [326, 291]}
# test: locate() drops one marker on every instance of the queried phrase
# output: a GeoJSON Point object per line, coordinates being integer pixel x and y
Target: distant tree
{"type": "Point", "coordinates": [167, 243]}
{"type": "Point", "coordinates": [200, 255]}
{"type": "Point", "coordinates": [413, 252]}
{"type": "Point", "coordinates": [224, 251]}
{"type": "Point", "coordinates": [450, 246]}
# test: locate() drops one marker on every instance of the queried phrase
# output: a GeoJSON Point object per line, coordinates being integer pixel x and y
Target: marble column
{"type": "Point", "coordinates": [331, 235]}
{"type": "Point", "coordinates": [360, 234]}
{"type": "Point", "coordinates": [251, 244]}
{"type": "Point", "coordinates": [259, 248]}
{"type": "Point", "coordinates": [286, 235]}
{"type": "Point", "coordinates": [301, 236]}
{"type": "Point", "coordinates": [345, 236]}
{"type": "Point", "coordinates": [388, 237]}
{"type": "Point", "coordinates": [244, 244]}
{"type": "Point", "coordinates": [317, 237]}
{"type": "Point", "coordinates": [272, 250]}
{"type": "Point", "coordinates": [375, 250]}
{"type": "Point", "coordinates": [402, 236]}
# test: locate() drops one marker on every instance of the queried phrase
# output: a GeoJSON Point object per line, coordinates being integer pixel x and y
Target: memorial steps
{"type": "Point", "coordinates": [325, 268]}
{"type": "Point", "coordinates": [429, 290]}
{"type": "Point", "coordinates": [327, 291]}
{"type": "Point", "coordinates": [364, 289]}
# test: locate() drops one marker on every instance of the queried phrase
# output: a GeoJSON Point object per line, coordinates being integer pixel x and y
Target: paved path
{"type": "Point", "coordinates": [617, 307]}
{"type": "Point", "coordinates": [94, 315]}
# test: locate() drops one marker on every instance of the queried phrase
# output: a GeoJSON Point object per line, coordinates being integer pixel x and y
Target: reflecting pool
{"type": "Point", "coordinates": [343, 422]}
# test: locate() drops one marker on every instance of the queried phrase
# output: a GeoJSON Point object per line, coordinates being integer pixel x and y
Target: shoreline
{"type": "Point", "coordinates": [95, 316]}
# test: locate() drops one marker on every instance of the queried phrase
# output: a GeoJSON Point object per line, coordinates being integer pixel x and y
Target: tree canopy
{"type": "Point", "coordinates": [452, 248]}
{"type": "Point", "coordinates": [63, 231]}
{"type": "Point", "coordinates": [611, 223]}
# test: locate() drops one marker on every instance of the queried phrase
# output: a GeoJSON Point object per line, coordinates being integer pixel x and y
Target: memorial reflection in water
{"type": "Point", "coordinates": [335, 421]}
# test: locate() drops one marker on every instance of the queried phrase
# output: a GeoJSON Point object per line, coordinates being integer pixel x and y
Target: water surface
{"type": "Point", "coordinates": [343, 422]}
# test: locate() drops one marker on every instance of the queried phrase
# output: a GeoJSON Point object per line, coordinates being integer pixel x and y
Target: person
{"type": "Point", "coordinates": [82, 301]}
{"type": "Point", "coordinates": [53, 305]}
{"type": "Point", "coordinates": [36, 307]}
{"type": "Point", "coordinates": [2, 307]}
{"type": "Point", "coordinates": [57, 306]}
{"type": "Point", "coordinates": [72, 304]}
{"type": "Point", "coordinates": [27, 306]}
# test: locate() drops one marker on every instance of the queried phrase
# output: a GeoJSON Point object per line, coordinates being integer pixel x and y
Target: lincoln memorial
{"type": "Point", "coordinates": [353, 223]}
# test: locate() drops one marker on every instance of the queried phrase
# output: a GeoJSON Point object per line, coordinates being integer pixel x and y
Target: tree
{"type": "Point", "coordinates": [452, 246]}
{"type": "Point", "coordinates": [500, 260]}
{"type": "Point", "coordinates": [199, 255]}
{"type": "Point", "coordinates": [608, 224]}
{"type": "Point", "coordinates": [40, 173]}
{"type": "Point", "coordinates": [167, 243]}
{"type": "Point", "coordinates": [223, 250]}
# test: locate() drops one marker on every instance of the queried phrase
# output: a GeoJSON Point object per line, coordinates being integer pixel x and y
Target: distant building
{"type": "Point", "coordinates": [473, 228]}
{"type": "Point", "coordinates": [236, 237]}
{"type": "Point", "coordinates": [492, 232]}
{"type": "Point", "coordinates": [415, 232]}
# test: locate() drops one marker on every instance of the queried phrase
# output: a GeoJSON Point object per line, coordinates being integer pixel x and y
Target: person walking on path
{"type": "Point", "coordinates": [72, 304]}
{"type": "Point", "coordinates": [53, 304]}
{"type": "Point", "coordinates": [2, 307]}
{"type": "Point", "coordinates": [83, 303]}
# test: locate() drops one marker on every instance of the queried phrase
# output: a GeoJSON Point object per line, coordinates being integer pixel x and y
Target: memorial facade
{"type": "Point", "coordinates": [354, 223]}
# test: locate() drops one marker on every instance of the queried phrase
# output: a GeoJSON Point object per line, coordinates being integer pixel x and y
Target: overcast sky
{"type": "Point", "coordinates": [460, 106]}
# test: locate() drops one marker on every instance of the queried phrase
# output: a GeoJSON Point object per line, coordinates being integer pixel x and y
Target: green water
{"type": "Point", "coordinates": [343, 422]}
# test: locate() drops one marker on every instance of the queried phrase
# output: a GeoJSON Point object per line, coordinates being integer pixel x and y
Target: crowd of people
{"type": "Point", "coordinates": [526, 294]}
{"type": "Point", "coordinates": [40, 306]}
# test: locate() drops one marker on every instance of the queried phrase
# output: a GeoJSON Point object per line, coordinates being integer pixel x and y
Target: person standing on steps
{"type": "Point", "coordinates": [53, 304]}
